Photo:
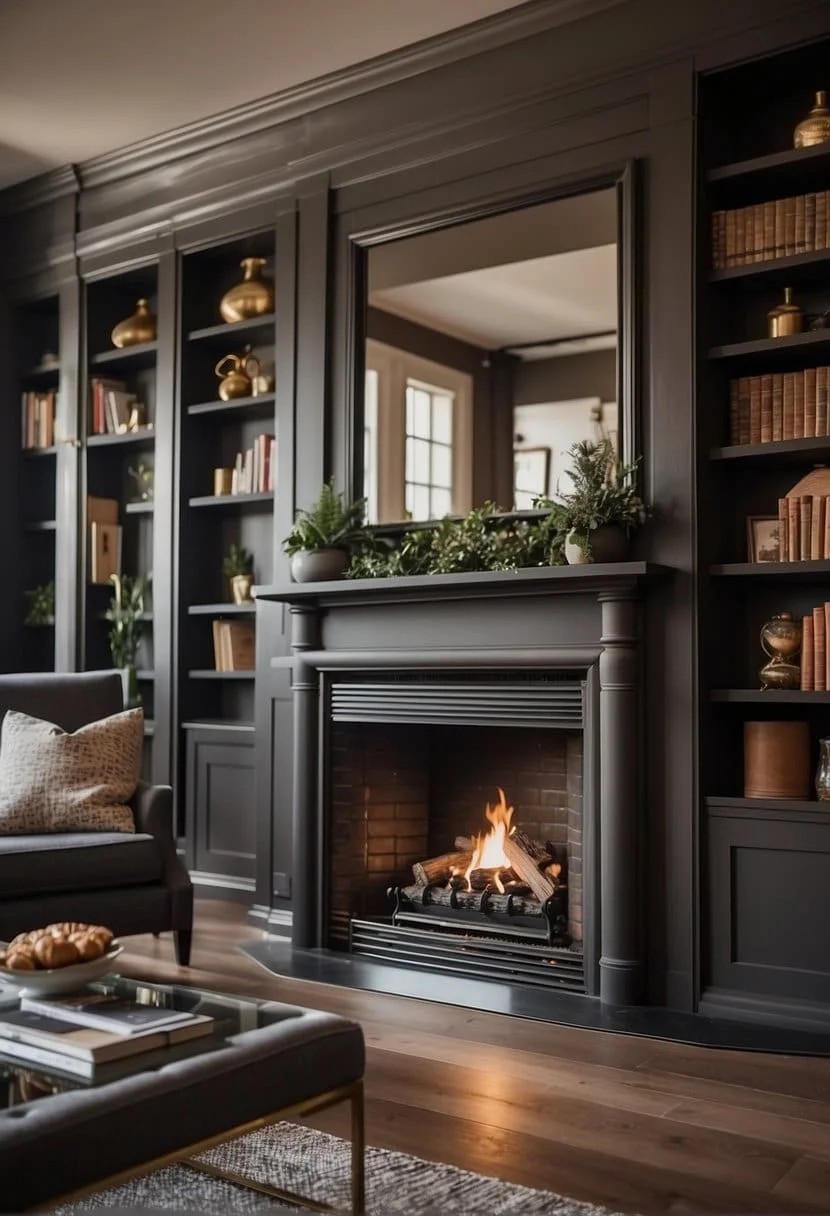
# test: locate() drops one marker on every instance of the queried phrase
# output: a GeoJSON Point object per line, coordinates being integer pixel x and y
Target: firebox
{"type": "Point", "coordinates": [455, 823]}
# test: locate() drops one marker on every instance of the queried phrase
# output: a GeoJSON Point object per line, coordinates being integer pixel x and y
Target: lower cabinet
{"type": "Point", "coordinates": [220, 809]}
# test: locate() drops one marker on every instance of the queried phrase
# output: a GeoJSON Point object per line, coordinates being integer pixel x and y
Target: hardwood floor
{"type": "Point", "coordinates": [635, 1124]}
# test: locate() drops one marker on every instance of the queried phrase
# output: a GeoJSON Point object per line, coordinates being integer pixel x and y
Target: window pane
{"type": "Point", "coordinates": [370, 445]}
{"type": "Point", "coordinates": [441, 466]}
{"type": "Point", "coordinates": [420, 460]}
{"type": "Point", "coordinates": [441, 503]}
{"type": "Point", "coordinates": [420, 502]}
{"type": "Point", "coordinates": [410, 410]}
{"type": "Point", "coordinates": [442, 418]}
{"type": "Point", "coordinates": [420, 414]}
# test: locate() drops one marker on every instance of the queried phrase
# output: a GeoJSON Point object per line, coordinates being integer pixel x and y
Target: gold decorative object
{"type": "Point", "coordinates": [786, 318]}
{"type": "Point", "coordinates": [140, 327]}
{"type": "Point", "coordinates": [253, 297]}
{"type": "Point", "coordinates": [781, 642]}
{"type": "Point", "coordinates": [815, 128]}
{"type": "Point", "coordinates": [222, 481]}
{"type": "Point", "coordinates": [241, 585]}
{"type": "Point", "coordinates": [236, 372]}
{"type": "Point", "coordinates": [262, 384]}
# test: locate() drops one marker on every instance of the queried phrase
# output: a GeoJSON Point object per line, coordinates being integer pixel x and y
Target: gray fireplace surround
{"type": "Point", "coordinates": [575, 623]}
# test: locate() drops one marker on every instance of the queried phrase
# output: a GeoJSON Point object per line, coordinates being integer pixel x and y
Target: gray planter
{"type": "Point", "coordinates": [606, 544]}
{"type": "Point", "coordinates": [318, 565]}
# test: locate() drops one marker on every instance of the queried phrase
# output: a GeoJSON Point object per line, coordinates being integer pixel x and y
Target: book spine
{"type": "Point", "coordinates": [805, 527]}
{"type": "Point", "coordinates": [800, 217]}
{"type": "Point", "coordinates": [46, 1057]}
{"type": "Point", "coordinates": [783, 530]}
{"type": "Point", "coordinates": [766, 409]}
{"type": "Point", "coordinates": [740, 237]}
{"type": "Point", "coordinates": [809, 223]}
{"type": "Point", "coordinates": [731, 243]}
{"type": "Point", "coordinates": [794, 543]}
{"type": "Point", "coordinates": [789, 404]}
{"type": "Point", "coordinates": [798, 405]}
{"type": "Point", "coordinates": [817, 528]}
{"type": "Point", "coordinates": [758, 232]}
{"type": "Point", "coordinates": [743, 409]}
{"type": "Point", "coordinates": [754, 409]}
{"type": "Point", "coordinates": [777, 407]}
{"type": "Point", "coordinates": [826, 610]}
{"type": "Point", "coordinates": [819, 650]}
{"type": "Point", "coordinates": [778, 243]}
{"type": "Point", "coordinates": [821, 400]}
{"type": "Point", "coordinates": [769, 230]}
{"type": "Point", "coordinates": [717, 263]}
{"type": "Point", "coordinates": [810, 402]}
{"type": "Point", "coordinates": [825, 552]}
{"type": "Point", "coordinates": [821, 220]}
{"type": "Point", "coordinates": [789, 227]}
{"type": "Point", "coordinates": [807, 655]}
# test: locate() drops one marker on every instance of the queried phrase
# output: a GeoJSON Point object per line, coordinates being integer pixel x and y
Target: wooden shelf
{"type": "Point", "coordinates": [782, 452]}
{"type": "Point", "coordinates": [768, 696]}
{"type": "Point", "coordinates": [222, 675]}
{"type": "Point", "coordinates": [772, 346]}
{"type": "Point", "coordinates": [140, 508]}
{"type": "Point", "coordinates": [34, 453]}
{"type": "Point", "coordinates": [776, 167]}
{"type": "Point", "coordinates": [255, 327]}
{"type": "Point", "coordinates": [232, 500]}
{"type": "Point", "coordinates": [242, 406]}
{"type": "Point", "coordinates": [145, 436]}
{"type": "Point", "coordinates": [41, 525]}
{"type": "Point", "coordinates": [813, 265]}
{"type": "Point", "coordinates": [219, 724]}
{"type": "Point", "coordinates": [229, 609]}
{"type": "Point", "coordinates": [772, 571]}
{"type": "Point", "coordinates": [141, 355]}
{"type": "Point", "coordinates": [781, 809]}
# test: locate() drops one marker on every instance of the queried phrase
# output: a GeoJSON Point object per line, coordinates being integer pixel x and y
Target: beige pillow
{"type": "Point", "coordinates": [54, 782]}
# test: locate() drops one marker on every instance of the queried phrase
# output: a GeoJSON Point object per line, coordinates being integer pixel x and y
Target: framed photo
{"type": "Point", "coordinates": [762, 538]}
{"type": "Point", "coordinates": [531, 475]}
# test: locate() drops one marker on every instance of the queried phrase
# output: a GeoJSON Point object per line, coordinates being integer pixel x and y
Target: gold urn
{"type": "Point", "coordinates": [140, 327]}
{"type": "Point", "coordinates": [253, 297]}
{"type": "Point", "coordinates": [236, 373]}
{"type": "Point", "coordinates": [815, 128]}
{"type": "Point", "coordinates": [786, 318]}
{"type": "Point", "coordinates": [781, 642]}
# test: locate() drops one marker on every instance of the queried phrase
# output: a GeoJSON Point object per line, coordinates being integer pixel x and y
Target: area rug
{"type": "Point", "coordinates": [319, 1165]}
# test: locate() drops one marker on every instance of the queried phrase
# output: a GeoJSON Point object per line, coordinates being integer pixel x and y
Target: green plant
{"type": "Point", "coordinates": [41, 610]}
{"type": "Point", "coordinates": [604, 492]}
{"type": "Point", "coordinates": [329, 524]}
{"type": "Point", "coordinates": [237, 561]}
{"type": "Point", "coordinates": [125, 613]}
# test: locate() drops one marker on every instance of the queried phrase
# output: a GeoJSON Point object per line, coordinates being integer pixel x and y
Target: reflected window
{"type": "Point", "coordinates": [429, 481]}
{"type": "Point", "coordinates": [370, 445]}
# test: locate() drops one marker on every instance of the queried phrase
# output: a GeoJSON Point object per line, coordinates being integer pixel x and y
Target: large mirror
{"type": "Point", "coordinates": [491, 348]}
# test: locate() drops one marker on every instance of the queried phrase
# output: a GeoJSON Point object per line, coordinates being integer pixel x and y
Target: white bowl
{"type": "Point", "coordinates": [61, 979]}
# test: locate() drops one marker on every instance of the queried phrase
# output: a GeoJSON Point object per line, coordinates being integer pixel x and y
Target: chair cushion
{"type": "Point", "coordinates": [76, 861]}
{"type": "Point", "coordinates": [51, 781]}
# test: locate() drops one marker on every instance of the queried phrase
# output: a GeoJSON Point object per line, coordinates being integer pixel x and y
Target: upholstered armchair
{"type": "Point", "coordinates": [132, 882]}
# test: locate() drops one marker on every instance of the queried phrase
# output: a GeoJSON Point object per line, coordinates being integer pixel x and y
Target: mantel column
{"type": "Point", "coordinates": [621, 955]}
{"type": "Point", "coordinates": [305, 682]}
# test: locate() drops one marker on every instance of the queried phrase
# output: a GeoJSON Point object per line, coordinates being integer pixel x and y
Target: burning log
{"type": "Point", "coordinates": [439, 869]}
{"type": "Point", "coordinates": [524, 856]}
{"type": "Point", "coordinates": [474, 901]}
{"type": "Point", "coordinates": [465, 843]}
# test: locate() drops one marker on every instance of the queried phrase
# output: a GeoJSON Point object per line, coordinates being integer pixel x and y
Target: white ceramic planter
{"type": "Point", "coordinates": [318, 565]}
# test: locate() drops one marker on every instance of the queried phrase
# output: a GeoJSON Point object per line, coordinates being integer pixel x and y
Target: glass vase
{"type": "Point", "coordinates": [823, 771]}
{"type": "Point", "coordinates": [129, 682]}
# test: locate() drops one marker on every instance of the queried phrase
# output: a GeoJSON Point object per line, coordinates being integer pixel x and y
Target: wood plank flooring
{"type": "Point", "coordinates": [635, 1124]}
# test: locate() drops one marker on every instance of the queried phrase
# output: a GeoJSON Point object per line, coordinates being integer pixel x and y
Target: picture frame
{"type": "Point", "coordinates": [762, 538]}
{"type": "Point", "coordinates": [531, 474]}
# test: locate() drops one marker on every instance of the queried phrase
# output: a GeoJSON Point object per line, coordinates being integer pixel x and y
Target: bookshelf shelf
{"type": "Point", "coordinates": [139, 508]}
{"type": "Point", "coordinates": [782, 452]}
{"type": "Point", "coordinates": [145, 675]}
{"type": "Point", "coordinates": [41, 525]}
{"type": "Point", "coordinates": [260, 329]}
{"type": "Point", "coordinates": [145, 438]}
{"type": "Point", "coordinates": [221, 675]}
{"type": "Point", "coordinates": [751, 807]}
{"type": "Point", "coordinates": [768, 696]}
{"type": "Point", "coordinates": [224, 501]}
{"type": "Point", "coordinates": [221, 609]}
{"type": "Point", "coordinates": [36, 453]}
{"type": "Point", "coordinates": [245, 407]}
{"type": "Point", "coordinates": [797, 267]}
{"type": "Point", "coordinates": [804, 572]}
{"type": "Point", "coordinates": [43, 375]}
{"type": "Point", "coordinates": [813, 339]}
{"type": "Point", "coordinates": [141, 355]}
{"type": "Point", "coordinates": [776, 168]}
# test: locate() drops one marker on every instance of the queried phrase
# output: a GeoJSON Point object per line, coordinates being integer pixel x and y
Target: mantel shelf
{"type": "Point", "coordinates": [593, 579]}
{"type": "Point", "coordinates": [772, 346]}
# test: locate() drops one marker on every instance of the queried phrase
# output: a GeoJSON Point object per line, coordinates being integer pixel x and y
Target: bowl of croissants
{"type": "Point", "coordinates": [58, 958]}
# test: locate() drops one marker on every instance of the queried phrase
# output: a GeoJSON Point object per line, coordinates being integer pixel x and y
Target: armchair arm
{"type": "Point", "coordinates": [152, 807]}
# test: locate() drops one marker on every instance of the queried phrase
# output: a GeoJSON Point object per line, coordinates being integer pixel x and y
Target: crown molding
{"type": "Point", "coordinates": [534, 17]}
{"type": "Point", "coordinates": [36, 191]}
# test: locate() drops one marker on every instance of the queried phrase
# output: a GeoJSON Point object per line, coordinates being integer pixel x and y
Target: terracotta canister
{"type": "Point", "coordinates": [777, 760]}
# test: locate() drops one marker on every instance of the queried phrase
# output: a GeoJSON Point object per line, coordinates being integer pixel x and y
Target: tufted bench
{"type": "Point", "coordinates": [294, 1062]}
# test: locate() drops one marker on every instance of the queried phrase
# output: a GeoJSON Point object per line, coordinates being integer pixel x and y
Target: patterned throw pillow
{"type": "Point", "coordinates": [54, 782]}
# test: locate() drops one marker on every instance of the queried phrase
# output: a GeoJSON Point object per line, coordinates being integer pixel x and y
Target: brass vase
{"type": "Point", "coordinates": [140, 327]}
{"type": "Point", "coordinates": [236, 372]}
{"type": "Point", "coordinates": [786, 318]}
{"type": "Point", "coordinates": [815, 128]}
{"type": "Point", "coordinates": [241, 585]}
{"type": "Point", "coordinates": [253, 297]}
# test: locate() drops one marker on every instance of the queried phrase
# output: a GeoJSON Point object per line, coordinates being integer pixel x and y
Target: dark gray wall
{"type": "Point", "coordinates": [593, 374]}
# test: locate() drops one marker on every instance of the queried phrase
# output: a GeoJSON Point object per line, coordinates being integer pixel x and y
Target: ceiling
{"type": "Point", "coordinates": [85, 77]}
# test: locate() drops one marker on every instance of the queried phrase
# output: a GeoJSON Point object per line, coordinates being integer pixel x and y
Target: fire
{"type": "Point", "coordinates": [488, 851]}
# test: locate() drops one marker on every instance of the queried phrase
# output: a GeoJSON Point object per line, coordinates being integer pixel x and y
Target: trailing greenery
{"type": "Point", "coordinates": [41, 610]}
{"type": "Point", "coordinates": [329, 524]}
{"type": "Point", "coordinates": [604, 492]}
{"type": "Point", "coordinates": [238, 561]}
{"type": "Point", "coordinates": [125, 613]}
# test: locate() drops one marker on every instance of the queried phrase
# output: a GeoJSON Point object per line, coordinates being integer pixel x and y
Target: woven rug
{"type": "Point", "coordinates": [318, 1165]}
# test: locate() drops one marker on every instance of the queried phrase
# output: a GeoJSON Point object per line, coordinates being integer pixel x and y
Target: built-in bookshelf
{"type": "Point", "coordinates": [763, 426]}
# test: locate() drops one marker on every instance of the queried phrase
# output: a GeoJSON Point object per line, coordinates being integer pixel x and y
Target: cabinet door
{"type": "Point", "coordinates": [221, 821]}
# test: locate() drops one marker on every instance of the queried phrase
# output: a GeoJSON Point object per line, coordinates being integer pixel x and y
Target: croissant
{"type": "Point", "coordinates": [56, 952]}
{"type": "Point", "coordinates": [89, 945]}
{"type": "Point", "coordinates": [22, 958]}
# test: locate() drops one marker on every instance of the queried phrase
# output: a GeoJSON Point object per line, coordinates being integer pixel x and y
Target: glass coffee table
{"type": "Point", "coordinates": [263, 1062]}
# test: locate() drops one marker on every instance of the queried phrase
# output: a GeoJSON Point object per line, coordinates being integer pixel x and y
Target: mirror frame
{"type": "Point", "coordinates": [352, 254]}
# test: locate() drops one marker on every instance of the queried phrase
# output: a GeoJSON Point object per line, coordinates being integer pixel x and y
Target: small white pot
{"type": "Point", "coordinates": [318, 565]}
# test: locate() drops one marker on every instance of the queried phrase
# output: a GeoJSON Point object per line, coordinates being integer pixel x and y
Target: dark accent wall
{"type": "Point", "coordinates": [592, 374]}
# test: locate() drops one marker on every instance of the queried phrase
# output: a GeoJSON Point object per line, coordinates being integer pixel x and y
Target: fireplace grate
{"type": "Point", "coordinates": [520, 703]}
{"type": "Point", "coordinates": [474, 957]}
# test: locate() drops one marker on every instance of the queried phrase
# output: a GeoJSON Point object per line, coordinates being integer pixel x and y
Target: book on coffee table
{"type": "Point", "coordinates": [27, 1035]}
{"type": "Point", "coordinates": [104, 1011]}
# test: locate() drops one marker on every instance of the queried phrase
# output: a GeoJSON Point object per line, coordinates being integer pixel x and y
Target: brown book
{"type": "Point", "coordinates": [769, 229]}
{"type": "Point", "coordinates": [104, 552]}
{"type": "Point", "coordinates": [821, 220]}
{"type": "Point", "coordinates": [217, 646]}
{"type": "Point", "coordinates": [758, 233]}
{"type": "Point", "coordinates": [819, 650]}
{"type": "Point", "coordinates": [743, 409]}
{"type": "Point", "coordinates": [778, 244]}
{"type": "Point", "coordinates": [101, 510]}
{"type": "Point", "coordinates": [807, 655]}
{"type": "Point", "coordinates": [777, 407]}
{"type": "Point", "coordinates": [810, 386]}
{"type": "Point", "coordinates": [783, 530]}
{"type": "Point", "coordinates": [754, 409]}
{"type": "Point", "coordinates": [817, 528]}
{"type": "Point", "coordinates": [740, 236]}
{"type": "Point", "coordinates": [789, 404]}
{"type": "Point", "coordinates": [826, 647]}
{"type": "Point", "coordinates": [798, 406]}
{"type": "Point", "coordinates": [239, 645]}
{"type": "Point", "coordinates": [825, 551]}
{"type": "Point", "coordinates": [821, 400]}
{"type": "Point", "coordinates": [827, 219]}
{"type": "Point", "coordinates": [794, 530]}
{"type": "Point", "coordinates": [766, 409]}
{"type": "Point", "coordinates": [789, 226]}
{"type": "Point", "coordinates": [734, 413]}
{"type": "Point", "coordinates": [800, 217]}
{"type": "Point", "coordinates": [731, 244]}
{"type": "Point", "coordinates": [717, 262]}
{"type": "Point", "coordinates": [805, 527]}
{"type": "Point", "coordinates": [809, 223]}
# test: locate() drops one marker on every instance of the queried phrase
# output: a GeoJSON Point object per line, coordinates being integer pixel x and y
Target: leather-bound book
{"type": "Point", "coordinates": [808, 670]}
{"type": "Point", "coordinates": [808, 422]}
{"type": "Point", "coordinates": [769, 229]}
{"type": "Point", "coordinates": [731, 243]}
{"type": "Point", "coordinates": [819, 650]}
{"type": "Point", "coordinates": [777, 407]}
{"type": "Point", "coordinates": [780, 204]}
{"type": "Point", "coordinates": [754, 409]}
{"type": "Point", "coordinates": [743, 410]}
{"type": "Point", "coordinates": [740, 237]}
{"type": "Point", "coordinates": [734, 412]}
{"type": "Point", "coordinates": [809, 223]}
{"type": "Point", "coordinates": [825, 552]}
{"type": "Point", "coordinates": [783, 530]}
{"type": "Point", "coordinates": [766, 409]}
{"type": "Point", "coordinates": [805, 527]}
{"type": "Point", "coordinates": [789, 404]}
{"type": "Point", "coordinates": [826, 647]}
{"type": "Point", "coordinates": [821, 400]}
{"type": "Point", "coordinates": [821, 220]}
{"type": "Point", "coordinates": [800, 389]}
{"type": "Point", "coordinates": [794, 546]}
{"type": "Point", "coordinates": [817, 527]}
{"type": "Point", "coordinates": [800, 217]}
{"type": "Point", "coordinates": [789, 227]}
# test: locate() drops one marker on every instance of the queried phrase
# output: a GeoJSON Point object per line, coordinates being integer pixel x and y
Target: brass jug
{"type": "Point", "coordinates": [236, 381]}
{"type": "Point", "coordinates": [815, 128]}
{"type": "Point", "coordinates": [140, 327]}
{"type": "Point", "coordinates": [253, 297]}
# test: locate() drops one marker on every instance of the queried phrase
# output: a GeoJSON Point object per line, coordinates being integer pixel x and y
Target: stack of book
{"type": "Point", "coordinates": [233, 646]}
{"type": "Point", "coordinates": [77, 1033]}
{"type": "Point", "coordinates": [803, 528]}
{"type": "Point", "coordinates": [780, 405]}
{"type": "Point", "coordinates": [775, 229]}
{"type": "Point", "coordinates": [253, 470]}
{"type": "Point", "coordinates": [110, 406]}
{"type": "Point", "coordinates": [815, 659]}
{"type": "Point", "coordinates": [38, 419]}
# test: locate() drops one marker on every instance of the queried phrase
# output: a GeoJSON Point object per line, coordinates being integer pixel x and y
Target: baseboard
{"type": "Point", "coordinates": [768, 1011]}
{"type": "Point", "coordinates": [222, 886]}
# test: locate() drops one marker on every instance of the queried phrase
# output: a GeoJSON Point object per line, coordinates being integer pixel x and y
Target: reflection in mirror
{"type": "Point", "coordinates": [491, 349]}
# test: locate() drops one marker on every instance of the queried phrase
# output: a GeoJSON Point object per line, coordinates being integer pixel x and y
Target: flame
{"type": "Point", "coordinates": [488, 851]}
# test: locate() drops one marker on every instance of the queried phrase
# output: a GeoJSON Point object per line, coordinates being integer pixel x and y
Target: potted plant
{"type": "Point", "coordinates": [603, 508]}
{"type": "Point", "coordinates": [238, 569]}
{"type": "Point", "coordinates": [321, 539]}
{"type": "Point", "coordinates": [125, 613]}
